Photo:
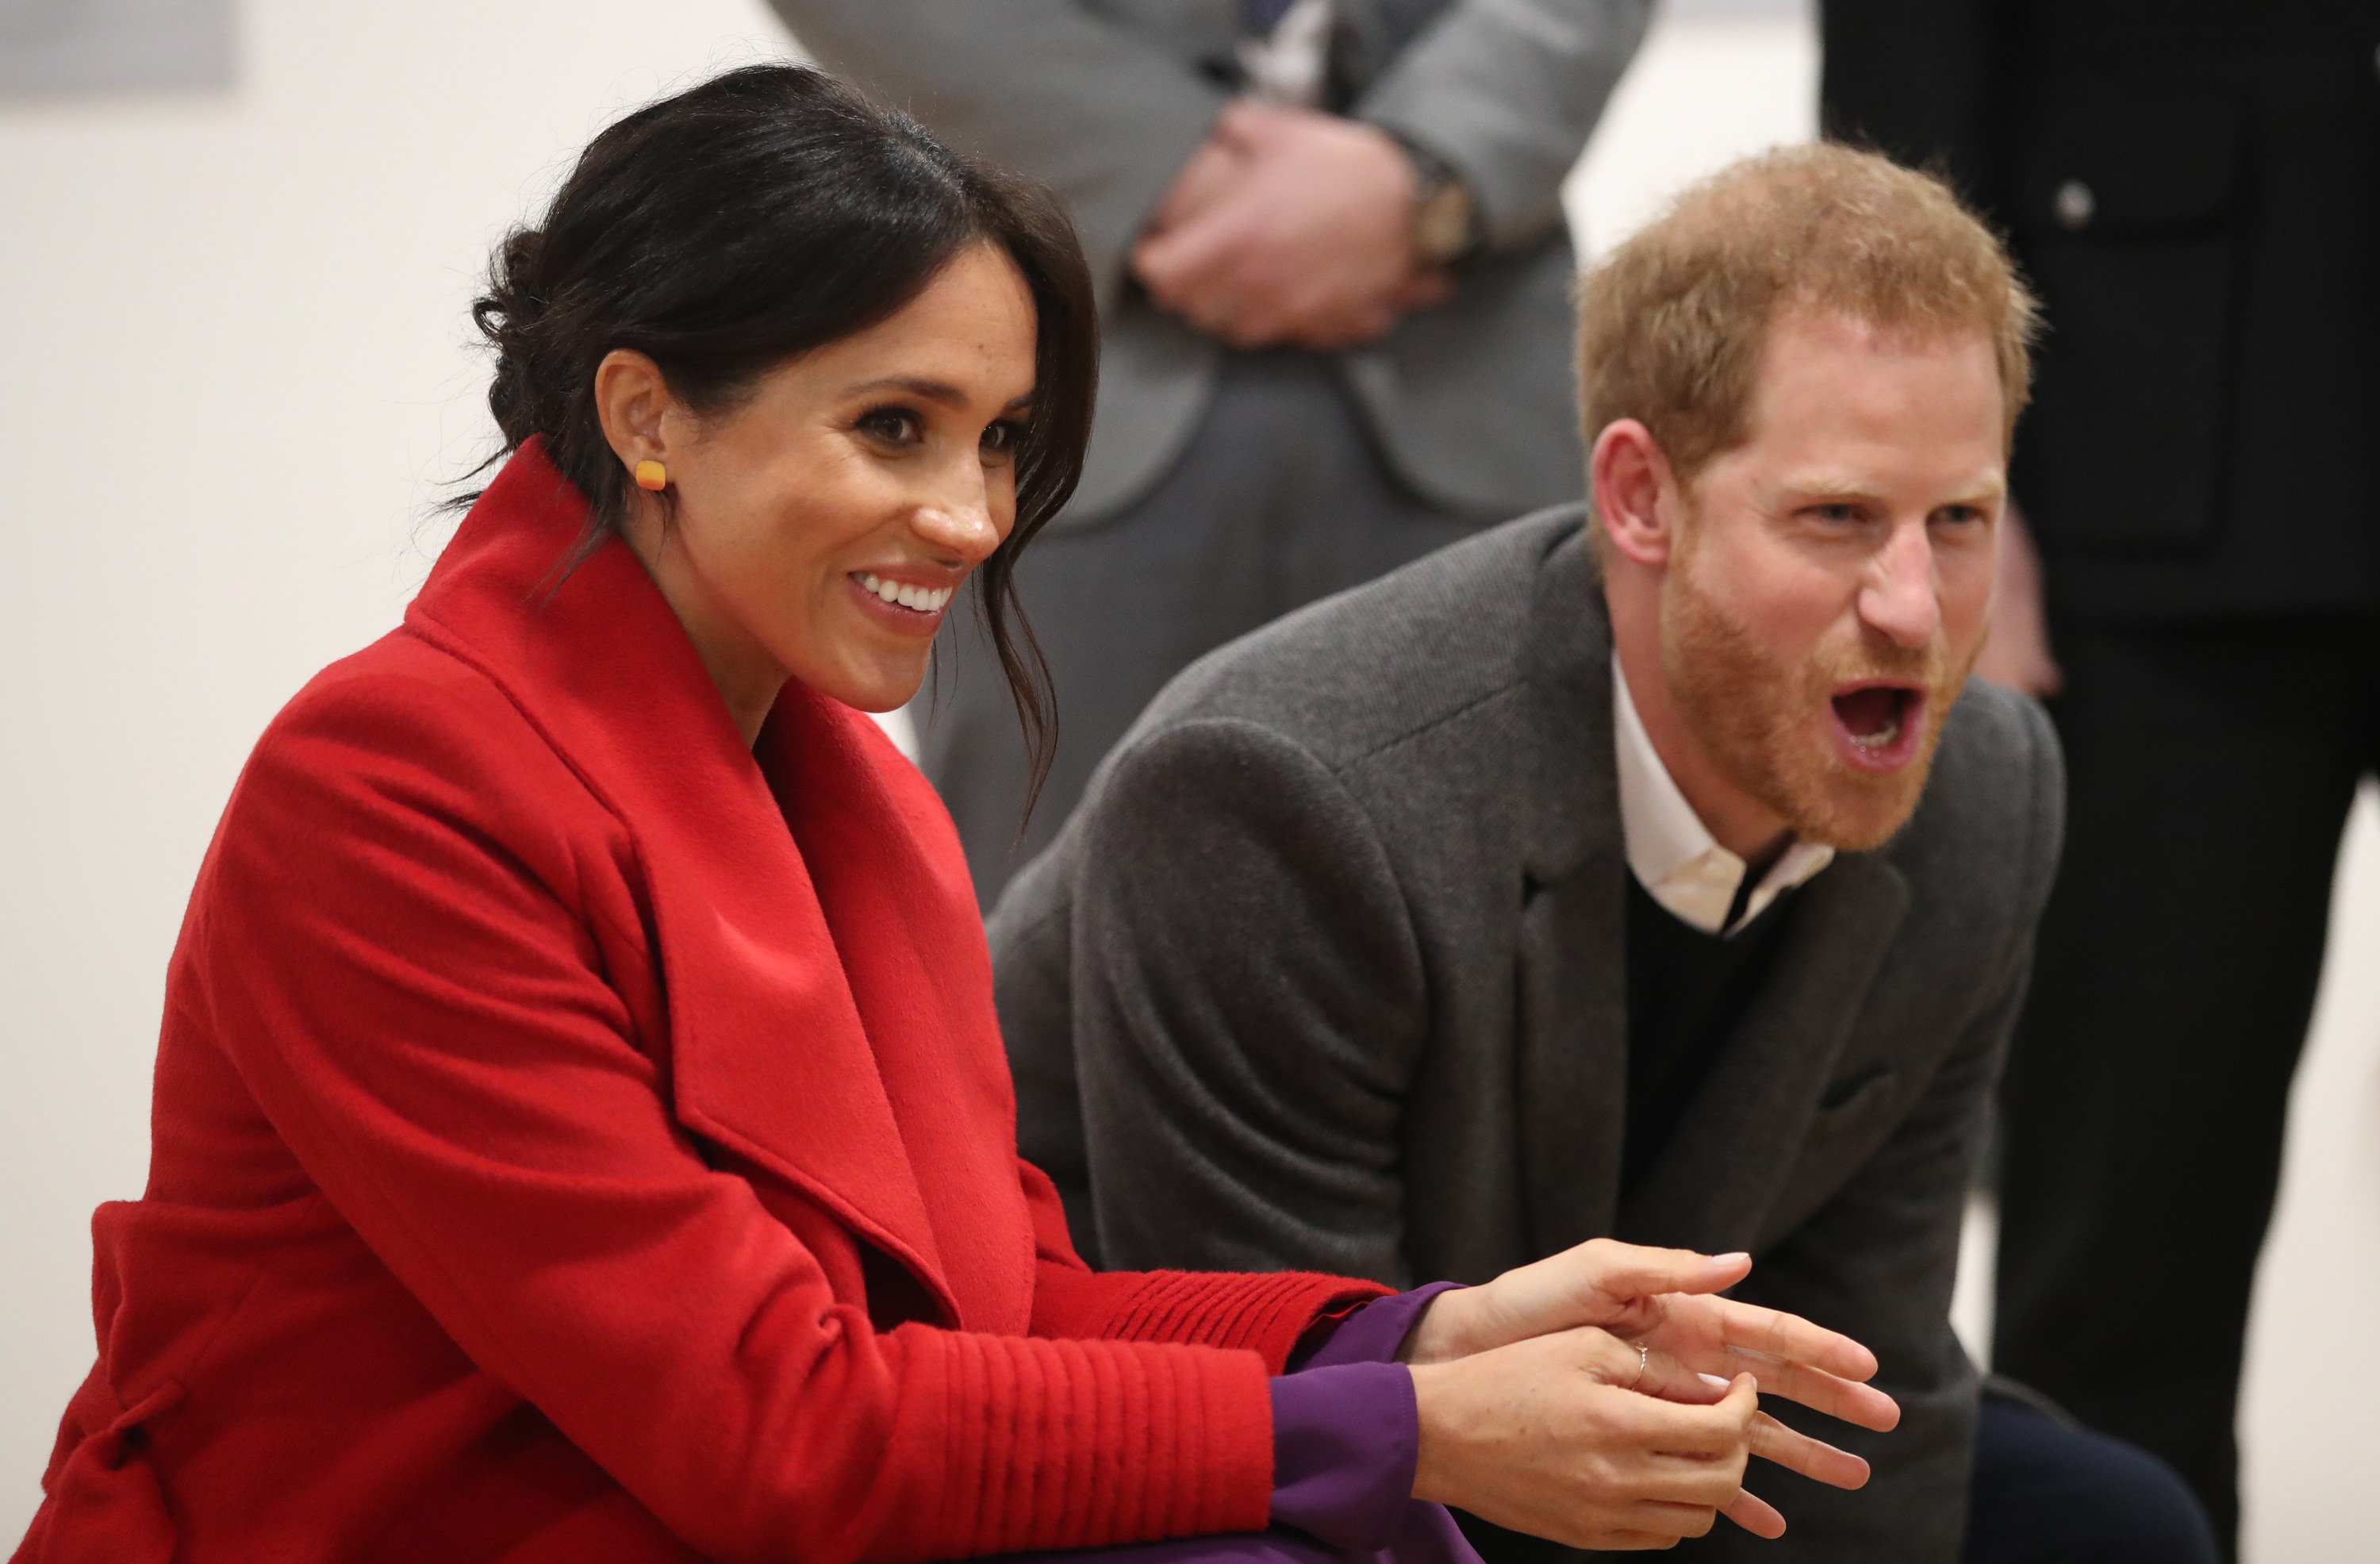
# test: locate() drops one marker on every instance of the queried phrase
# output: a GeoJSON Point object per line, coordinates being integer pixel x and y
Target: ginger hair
{"type": "Point", "coordinates": [1673, 325]}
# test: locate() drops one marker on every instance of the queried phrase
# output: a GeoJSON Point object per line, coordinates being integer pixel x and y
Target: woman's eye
{"type": "Point", "coordinates": [1003, 438]}
{"type": "Point", "coordinates": [896, 425]}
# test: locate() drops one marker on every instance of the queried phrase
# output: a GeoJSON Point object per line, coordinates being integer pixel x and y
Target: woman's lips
{"type": "Point", "coordinates": [911, 607]}
{"type": "Point", "coordinates": [1876, 725]}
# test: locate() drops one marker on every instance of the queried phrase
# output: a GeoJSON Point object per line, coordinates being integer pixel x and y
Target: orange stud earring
{"type": "Point", "coordinates": [651, 475]}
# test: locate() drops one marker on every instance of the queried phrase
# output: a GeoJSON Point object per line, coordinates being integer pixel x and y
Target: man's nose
{"type": "Point", "coordinates": [1901, 596]}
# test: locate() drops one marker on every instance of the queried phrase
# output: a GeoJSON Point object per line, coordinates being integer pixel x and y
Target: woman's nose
{"type": "Point", "coordinates": [958, 518]}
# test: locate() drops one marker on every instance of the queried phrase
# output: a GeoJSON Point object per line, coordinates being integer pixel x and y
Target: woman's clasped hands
{"type": "Point", "coordinates": [1607, 1398]}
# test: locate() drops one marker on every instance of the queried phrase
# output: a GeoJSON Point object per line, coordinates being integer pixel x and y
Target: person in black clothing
{"type": "Point", "coordinates": [2194, 188]}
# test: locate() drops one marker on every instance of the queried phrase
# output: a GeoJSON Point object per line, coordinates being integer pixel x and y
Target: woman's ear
{"type": "Point", "coordinates": [630, 398]}
{"type": "Point", "coordinates": [1631, 478]}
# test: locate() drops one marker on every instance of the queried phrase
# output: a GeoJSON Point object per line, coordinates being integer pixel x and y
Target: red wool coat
{"type": "Point", "coordinates": [578, 1137]}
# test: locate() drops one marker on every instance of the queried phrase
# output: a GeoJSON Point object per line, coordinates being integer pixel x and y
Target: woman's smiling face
{"type": "Point", "coordinates": [823, 526]}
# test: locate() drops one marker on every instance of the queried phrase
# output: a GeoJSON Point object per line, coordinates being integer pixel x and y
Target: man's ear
{"type": "Point", "coordinates": [1630, 476]}
{"type": "Point", "coordinates": [630, 398]}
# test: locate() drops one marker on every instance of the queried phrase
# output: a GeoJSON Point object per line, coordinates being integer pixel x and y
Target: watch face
{"type": "Point", "coordinates": [1441, 228]}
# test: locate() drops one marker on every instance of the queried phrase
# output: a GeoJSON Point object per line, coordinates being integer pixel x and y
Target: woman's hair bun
{"type": "Point", "coordinates": [508, 315]}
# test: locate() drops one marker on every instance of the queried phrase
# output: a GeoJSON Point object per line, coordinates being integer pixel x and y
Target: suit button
{"type": "Point", "coordinates": [2075, 203]}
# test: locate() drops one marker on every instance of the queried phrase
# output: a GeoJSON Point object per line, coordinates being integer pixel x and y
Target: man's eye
{"type": "Point", "coordinates": [1960, 515]}
{"type": "Point", "coordinates": [1841, 515]}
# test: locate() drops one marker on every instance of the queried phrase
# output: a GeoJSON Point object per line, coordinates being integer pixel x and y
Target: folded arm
{"type": "Point", "coordinates": [1507, 93]}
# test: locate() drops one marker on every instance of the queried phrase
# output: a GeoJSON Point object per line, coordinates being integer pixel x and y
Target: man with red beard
{"type": "Point", "coordinates": [1646, 870]}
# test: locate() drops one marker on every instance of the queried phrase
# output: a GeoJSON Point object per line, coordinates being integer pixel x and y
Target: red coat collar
{"type": "Point", "coordinates": [830, 991]}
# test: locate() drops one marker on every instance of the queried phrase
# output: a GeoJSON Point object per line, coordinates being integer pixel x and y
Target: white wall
{"type": "Point", "coordinates": [234, 383]}
{"type": "Point", "coordinates": [2306, 1425]}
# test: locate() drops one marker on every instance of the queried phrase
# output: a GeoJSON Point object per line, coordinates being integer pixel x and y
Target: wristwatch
{"type": "Point", "coordinates": [1445, 225]}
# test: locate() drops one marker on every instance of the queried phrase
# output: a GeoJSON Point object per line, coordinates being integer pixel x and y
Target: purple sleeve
{"type": "Point", "coordinates": [1345, 1432]}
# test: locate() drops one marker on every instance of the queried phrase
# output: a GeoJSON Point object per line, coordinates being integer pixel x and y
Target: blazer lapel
{"type": "Point", "coordinates": [1712, 1186]}
{"type": "Point", "coordinates": [1572, 1022]}
{"type": "Point", "coordinates": [766, 1051]}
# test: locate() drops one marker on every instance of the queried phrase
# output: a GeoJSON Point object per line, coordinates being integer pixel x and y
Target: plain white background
{"type": "Point", "coordinates": [236, 381]}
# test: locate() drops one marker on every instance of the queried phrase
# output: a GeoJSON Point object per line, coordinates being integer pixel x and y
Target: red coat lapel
{"type": "Point", "coordinates": [828, 992]}
{"type": "Point", "coordinates": [891, 879]}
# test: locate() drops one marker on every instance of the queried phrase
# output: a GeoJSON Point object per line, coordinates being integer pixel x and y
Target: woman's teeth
{"type": "Point", "coordinates": [925, 599]}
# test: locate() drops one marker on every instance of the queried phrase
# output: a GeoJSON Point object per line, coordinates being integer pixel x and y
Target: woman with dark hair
{"type": "Point", "coordinates": [581, 1130]}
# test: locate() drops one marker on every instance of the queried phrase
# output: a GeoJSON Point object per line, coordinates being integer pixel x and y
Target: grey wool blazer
{"type": "Point", "coordinates": [1328, 971]}
{"type": "Point", "coordinates": [1104, 100]}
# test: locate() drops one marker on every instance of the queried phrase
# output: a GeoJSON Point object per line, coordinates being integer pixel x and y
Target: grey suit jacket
{"type": "Point", "coordinates": [1328, 971]}
{"type": "Point", "coordinates": [1103, 100]}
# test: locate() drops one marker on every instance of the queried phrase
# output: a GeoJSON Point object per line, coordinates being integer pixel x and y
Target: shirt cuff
{"type": "Point", "coordinates": [1346, 1432]}
{"type": "Point", "coordinates": [1344, 1443]}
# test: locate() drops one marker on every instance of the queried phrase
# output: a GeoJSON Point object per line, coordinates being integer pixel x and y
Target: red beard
{"type": "Point", "coordinates": [1765, 722]}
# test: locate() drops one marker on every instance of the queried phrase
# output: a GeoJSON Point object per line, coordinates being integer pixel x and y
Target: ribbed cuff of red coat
{"type": "Point", "coordinates": [1269, 1314]}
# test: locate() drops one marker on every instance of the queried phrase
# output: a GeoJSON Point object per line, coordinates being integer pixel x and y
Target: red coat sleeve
{"type": "Point", "coordinates": [391, 940]}
{"type": "Point", "coordinates": [1265, 1314]}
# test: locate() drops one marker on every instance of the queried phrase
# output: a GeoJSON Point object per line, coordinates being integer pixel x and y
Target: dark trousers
{"type": "Point", "coordinates": [1281, 498]}
{"type": "Point", "coordinates": [2210, 772]}
{"type": "Point", "coordinates": [2049, 1492]}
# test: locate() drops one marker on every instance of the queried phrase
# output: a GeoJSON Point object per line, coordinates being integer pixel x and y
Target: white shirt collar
{"type": "Point", "coordinates": [1670, 851]}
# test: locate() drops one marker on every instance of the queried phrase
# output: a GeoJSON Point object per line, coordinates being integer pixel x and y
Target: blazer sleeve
{"type": "Point", "coordinates": [1241, 1092]}
{"type": "Point", "coordinates": [1103, 116]}
{"type": "Point", "coordinates": [393, 955]}
{"type": "Point", "coordinates": [1506, 92]}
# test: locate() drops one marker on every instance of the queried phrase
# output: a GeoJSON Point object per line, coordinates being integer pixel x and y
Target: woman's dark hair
{"type": "Point", "coordinates": [747, 221]}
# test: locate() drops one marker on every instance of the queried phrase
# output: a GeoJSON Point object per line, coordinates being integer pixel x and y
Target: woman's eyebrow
{"type": "Point", "coordinates": [940, 391]}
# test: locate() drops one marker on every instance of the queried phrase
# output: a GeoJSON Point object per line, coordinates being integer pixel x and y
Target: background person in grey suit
{"type": "Point", "coordinates": [1512, 900]}
{"type": "Point", "coordinates": [1334, 281]}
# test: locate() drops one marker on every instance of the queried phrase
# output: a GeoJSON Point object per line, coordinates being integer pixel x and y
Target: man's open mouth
{"type": "Point", "coordinates": [1876, 725]}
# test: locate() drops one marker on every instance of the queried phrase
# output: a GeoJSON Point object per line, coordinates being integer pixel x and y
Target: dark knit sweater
{"type": "Point", "coordinates": [1686, 991]}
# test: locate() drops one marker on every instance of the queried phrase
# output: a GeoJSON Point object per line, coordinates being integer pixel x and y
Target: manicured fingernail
{"type": "Point", "coordinates": [1736, 1258]}
{"type": "Point", "coordinates": [1713, 1381]}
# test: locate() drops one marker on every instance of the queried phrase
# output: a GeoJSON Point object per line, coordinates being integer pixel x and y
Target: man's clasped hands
{"type": "Point", "coordinates": [1288, 227]}
{"type": "Point", "coordinates": [1607, 1398]}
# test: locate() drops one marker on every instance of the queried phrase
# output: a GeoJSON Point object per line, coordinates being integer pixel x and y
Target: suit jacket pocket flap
{"type": "Point", "coordinates": [2134, 155]}
{"type": "Point", "coordinates": [1852, 1099]}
